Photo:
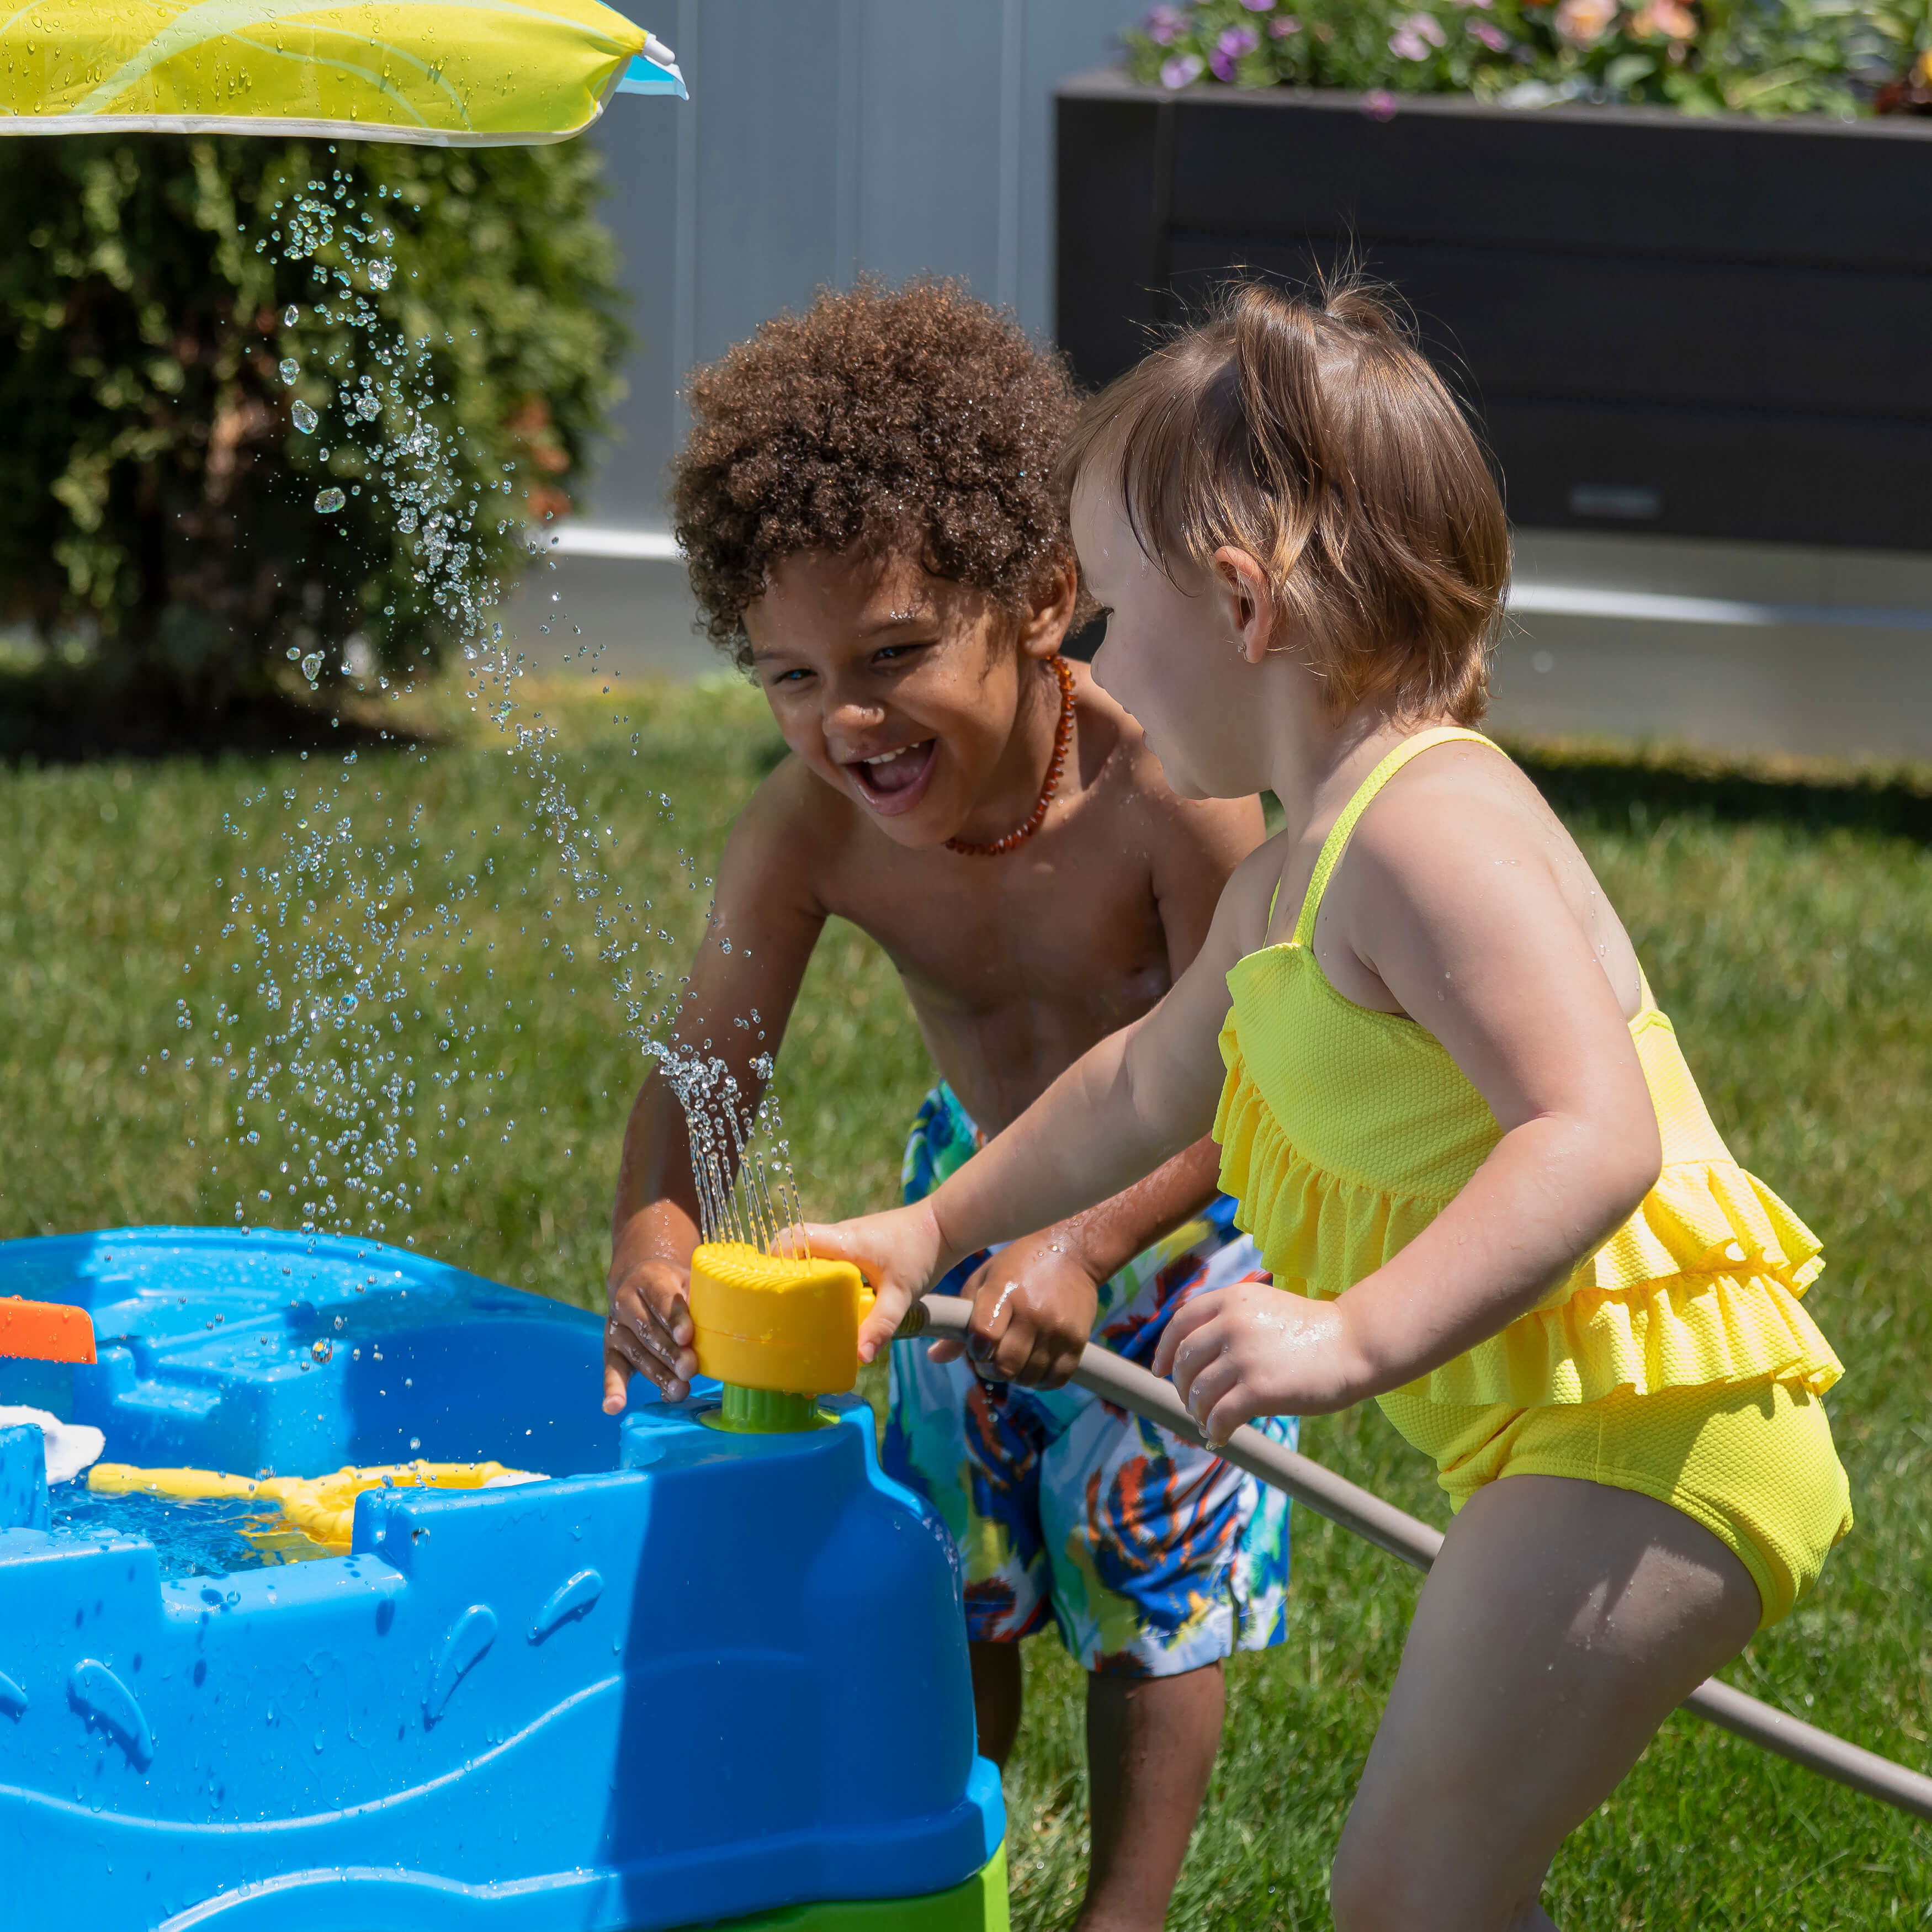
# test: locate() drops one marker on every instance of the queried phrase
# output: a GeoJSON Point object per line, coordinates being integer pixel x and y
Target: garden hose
{"type": "Point", "coordinates": [1104, 1374]}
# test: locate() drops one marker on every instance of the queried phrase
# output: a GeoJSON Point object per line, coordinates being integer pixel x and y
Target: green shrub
{"type": "Point", "coordinates": [158, 499]}
{"type": "Point", "coordinates": [1758, 56]}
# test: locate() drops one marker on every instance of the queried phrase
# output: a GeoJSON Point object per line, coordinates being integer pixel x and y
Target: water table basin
{"type": "Point", "coordinates": [694, 1677]}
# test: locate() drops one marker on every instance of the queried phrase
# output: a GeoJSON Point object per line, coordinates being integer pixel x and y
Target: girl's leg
{"type": "Point", "coordinates": [1562, 1623]}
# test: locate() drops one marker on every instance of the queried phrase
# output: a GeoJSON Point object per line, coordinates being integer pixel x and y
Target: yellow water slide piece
{"type": "Point", "coordinates": [447, 72]}
{"type": "Point", "coordinates": [322, 1508]}
{"type": "Point", "coordinates": [764, 1322]}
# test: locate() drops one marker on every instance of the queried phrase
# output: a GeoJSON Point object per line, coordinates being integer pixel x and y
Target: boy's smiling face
{"type": "Point", "coordinates": [907, 692]}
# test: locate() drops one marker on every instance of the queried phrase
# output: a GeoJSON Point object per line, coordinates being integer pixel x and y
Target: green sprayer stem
{"type": "Point", "coordinates": [757, 1412]}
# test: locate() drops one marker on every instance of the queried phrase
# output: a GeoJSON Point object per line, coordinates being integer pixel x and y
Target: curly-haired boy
{"type": "Point", "coordinates": [867, 506]}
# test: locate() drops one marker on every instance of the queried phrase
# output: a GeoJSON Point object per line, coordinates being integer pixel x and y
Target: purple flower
{"type": "Point", "coordinates": [1258, 6]}
{"type": "Point", "coordinates": [1181, 71]}
{"type": "Point", "coordinates": [1491, 35]}
{"type": "Point", "coordinates": [1379, 104]}
{"type": "Point", "coordinates": [1164, 25]}
{"type": "Point", "coordinates": [1280, 28]}
{"type": "Point", "coordinates": [1234, 43]}
{"type": "Point", "coordinates": [1414, 37]}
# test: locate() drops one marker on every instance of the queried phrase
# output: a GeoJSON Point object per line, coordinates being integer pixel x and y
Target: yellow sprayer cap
{"type": "Point", "coordinates": [764, 1322]}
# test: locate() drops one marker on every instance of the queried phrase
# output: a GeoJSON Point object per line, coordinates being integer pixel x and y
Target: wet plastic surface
{"type": "Point", "coordinates": [698, 1675]}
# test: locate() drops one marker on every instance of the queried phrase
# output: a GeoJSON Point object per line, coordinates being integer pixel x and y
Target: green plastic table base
{"type": "Point", "coordinates": [979, 1905]}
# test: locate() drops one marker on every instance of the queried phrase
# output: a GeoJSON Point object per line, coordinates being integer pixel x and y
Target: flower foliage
{"type": "Point", "coordinates": [162, 468]}
{"type": "Point", "coordinates": [1766, 57]}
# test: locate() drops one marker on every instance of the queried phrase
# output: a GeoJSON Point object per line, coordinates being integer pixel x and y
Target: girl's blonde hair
{"type": "Point", "coordinates": [1315, 436]}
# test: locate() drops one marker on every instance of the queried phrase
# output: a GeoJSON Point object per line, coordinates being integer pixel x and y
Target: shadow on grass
{"type": "Point", "coordinates": [54, 714]}
{"type": "Point", "coordinates": [1612, 784]}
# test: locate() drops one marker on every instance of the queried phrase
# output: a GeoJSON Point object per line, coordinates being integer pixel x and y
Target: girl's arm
{"type": "Point", "coordinates": [1456, 906]}
{"type": "Point", "coordinates": [1033, 1302]}
{"type": "Point", "coordinates": [1119, 1112]}
{"type": "Point", "coordinates": [765, 907]}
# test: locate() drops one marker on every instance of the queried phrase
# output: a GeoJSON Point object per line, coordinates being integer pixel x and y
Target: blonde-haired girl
{"type": "Point", "coordinates": [1456, 1121]}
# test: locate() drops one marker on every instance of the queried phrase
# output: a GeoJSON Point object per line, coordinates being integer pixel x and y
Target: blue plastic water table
{"type": "Point", "coordinates": [694, 1677]}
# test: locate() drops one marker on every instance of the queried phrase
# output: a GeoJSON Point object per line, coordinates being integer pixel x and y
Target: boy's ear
{"type": "Point", "coordinates": [1247, 601]}
{"type": "Point", "coordinates": [1050, 607]}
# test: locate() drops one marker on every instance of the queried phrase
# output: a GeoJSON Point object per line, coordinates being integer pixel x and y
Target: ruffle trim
{"type": "Point", "coordinates": [1699, 1288]}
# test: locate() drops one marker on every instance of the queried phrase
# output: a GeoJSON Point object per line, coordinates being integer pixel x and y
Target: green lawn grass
{"type": "Point", "coordinates": [1786, 926]}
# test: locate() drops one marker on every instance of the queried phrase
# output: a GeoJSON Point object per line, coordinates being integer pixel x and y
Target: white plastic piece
{"type": "Point", "coordinates": [69, 1446]}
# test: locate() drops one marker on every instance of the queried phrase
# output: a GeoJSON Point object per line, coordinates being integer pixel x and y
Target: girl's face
{"type": "Point", "coordinates": [900, 689]}
{"type": "Point", "coordinates": [1173, 657]}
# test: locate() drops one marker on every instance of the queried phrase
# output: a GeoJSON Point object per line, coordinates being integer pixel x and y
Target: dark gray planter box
{"type": "Point", "coordinates": [1716, 328]}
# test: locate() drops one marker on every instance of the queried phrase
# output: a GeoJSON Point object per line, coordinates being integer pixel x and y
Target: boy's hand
{"type": "Point", "coordinates": [900, 1253]}
{"type": "Point", "coordinates": [649, 1329]}
{"type": "Point", "coordinates": [1033, 1304]}
{"type": "Point", "coordinates": [1236, 1353]}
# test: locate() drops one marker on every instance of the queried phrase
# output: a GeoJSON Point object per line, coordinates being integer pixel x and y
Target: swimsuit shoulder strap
{"type": "Point", "coordinates": [1336, 842]}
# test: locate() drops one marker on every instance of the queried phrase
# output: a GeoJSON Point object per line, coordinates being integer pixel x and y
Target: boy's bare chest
{"type": "Point", "coordinates": [1058, 924]}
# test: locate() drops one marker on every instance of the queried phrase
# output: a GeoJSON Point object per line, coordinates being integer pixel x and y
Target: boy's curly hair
{"type": "Point", "coordinates": [915, 416]}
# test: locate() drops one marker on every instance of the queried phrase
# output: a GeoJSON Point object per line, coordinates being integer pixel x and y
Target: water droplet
{"type": "Point", "coordinates": [349, 1002]}
{"type": "Point", "coordinates": [290, 368]}
{"type": "Point", "coordinates": [328, 500]}
{"type": "Point", "coordinates": [312, 663]}
{"type": "Point", "coordinates": [323, 1349]}
{"type": "Point", "coordinates": [366, 407]}
{"type": "Point", "coordinates": [306, 418]}
{"type": "Point", "coordinates": [380, 273]}
{"type": "Point", "coordinates": [291, 316]}
{"type": "Point", "coordinates": [415, 1441]}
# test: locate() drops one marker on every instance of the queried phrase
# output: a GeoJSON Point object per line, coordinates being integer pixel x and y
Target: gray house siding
{"type": "Point", "coordinates": [825, 138]}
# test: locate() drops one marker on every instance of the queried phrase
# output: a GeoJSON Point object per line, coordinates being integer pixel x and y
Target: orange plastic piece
{"type": "Point", "coordinates": [45, 1331]}
{"type": "Point", "coordinates": [764, 1322]}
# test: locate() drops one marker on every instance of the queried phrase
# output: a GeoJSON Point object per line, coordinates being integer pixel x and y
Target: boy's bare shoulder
{"type": "Point", "coordinates": [794, 825]}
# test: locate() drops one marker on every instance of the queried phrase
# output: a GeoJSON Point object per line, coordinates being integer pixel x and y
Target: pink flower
{"type": "Point", "coordinates": [1258, 6]}
{"type": "Point", "coordinates": [1584, 22]}
{"type": "Point", "coordinates": [1283, 25]}
{"type": "Point", "coordinates": [1414, 37]}
{"type": "Point", "coordinates": [1379, 104]}
{"type": "Point", "coordinates": [1164, 25]}
{"type": "Point", "coordinates": [1181, 71]}
{"type": "Point", "coordinates": [1491, 35]}
{"type": "Point", "coordinates": [1670, 18]}
{"type": "Point", "coordinates": [1234, 43]}
{"type": "Point", "coordinates": [1485, 4]}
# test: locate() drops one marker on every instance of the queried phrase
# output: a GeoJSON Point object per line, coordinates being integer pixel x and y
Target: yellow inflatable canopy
{"type": "Point", "coordinates": [447, 72]}
{"type": "Point", "coordinates": [322, 1508]}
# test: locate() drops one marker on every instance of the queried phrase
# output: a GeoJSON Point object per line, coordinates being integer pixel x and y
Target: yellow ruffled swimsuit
{"type": "Point", "coordinates": [1677, 1360]}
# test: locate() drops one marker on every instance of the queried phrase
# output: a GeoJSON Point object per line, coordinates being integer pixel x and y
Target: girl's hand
{"type": "Point", "coordinates": [900, 1253]}
{"type": "Point", "coordinates": [1236, 1353]}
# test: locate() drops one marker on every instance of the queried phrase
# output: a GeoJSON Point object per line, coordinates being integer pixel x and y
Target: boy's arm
{"type": "Point", "coordinates": [1034, 1301]}
{"type": "Point", "coordinates": [766, 906]}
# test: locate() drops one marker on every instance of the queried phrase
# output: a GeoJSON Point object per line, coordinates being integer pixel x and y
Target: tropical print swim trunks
{"type": "Point", "coordinates": [1152, 1557]}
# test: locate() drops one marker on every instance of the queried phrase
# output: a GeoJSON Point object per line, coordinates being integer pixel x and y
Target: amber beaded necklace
{"type": "Point", "coordinates": [1062, 736]}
